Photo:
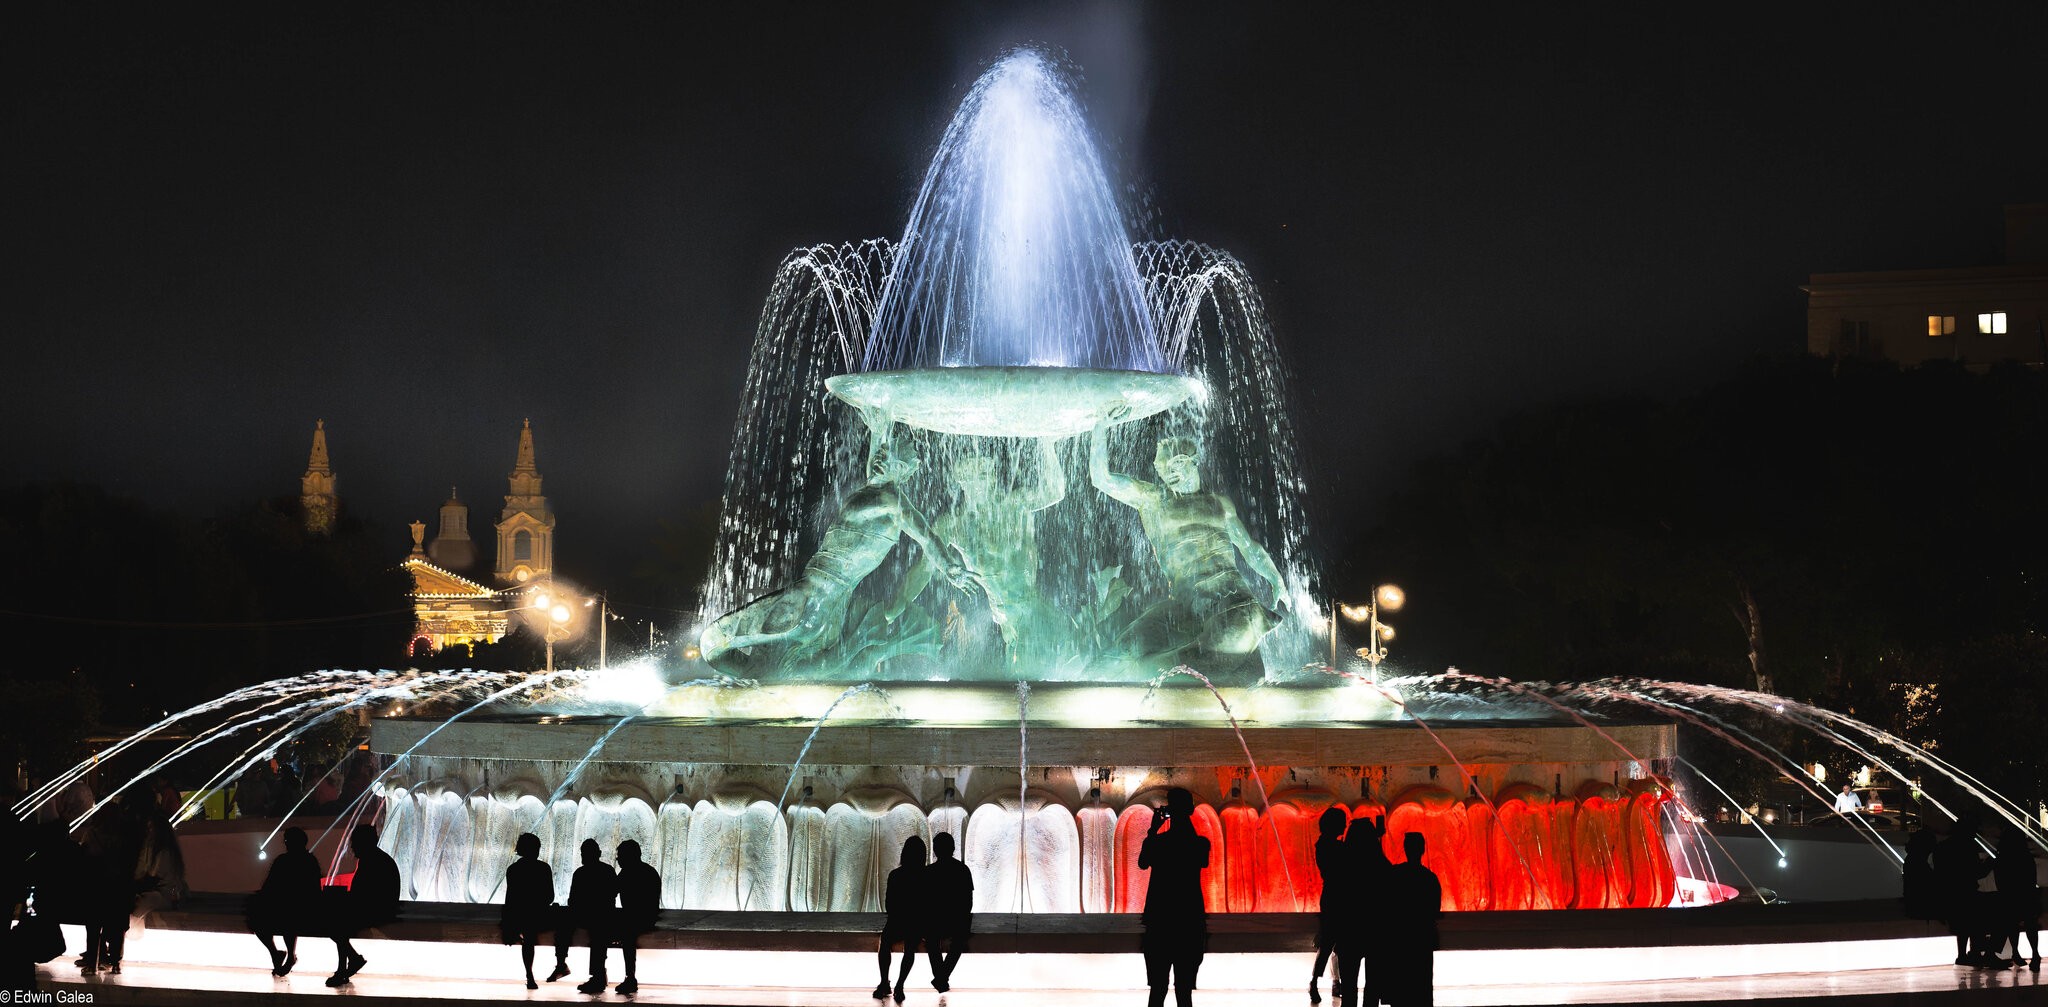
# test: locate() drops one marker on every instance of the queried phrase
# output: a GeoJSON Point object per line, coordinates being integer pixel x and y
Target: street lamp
{"type": "Point", "coordinates": [1378, 634]}
{"type": "Point", "coordinates": [554, 613]}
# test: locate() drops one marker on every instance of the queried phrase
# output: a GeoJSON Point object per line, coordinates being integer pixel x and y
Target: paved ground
{"type": "Point", "coordinates": [414, 972]}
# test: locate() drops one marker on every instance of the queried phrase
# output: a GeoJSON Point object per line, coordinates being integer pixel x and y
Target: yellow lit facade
{"type": "Point", "coordinates": [450, 609]}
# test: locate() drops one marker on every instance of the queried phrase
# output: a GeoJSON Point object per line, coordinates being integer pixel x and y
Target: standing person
{"type": "Point", "coordinates": [160, 867]}
{"type": "Point", "coordinates": [529, 901]}
{"type": "Point", "coordinates": [1417, 899]}
{"type": "Point", "coordinates": [1846, 802]}
{"type": "Point", "coordinates": [1917, 883]}
{"type": "Point", "coordinates": [2019, 896]}
{"type": "Point", "coordinates": [113, 847]}
{"type": "Point", "coordinates": [285, 788]}
{"type": "Point", "coordinates": [252, 794]}
{"type": "Point", "coordinates": [371, 901]}
{"type": "Point", "coordinates": [284, 905]}
{"type": "Point", "coordinates": [169, 800]}
{"type": "Point", "coordinates": [362, 771]}
{"type": "Point", "coordinates": [1176, 923]}
{"type": "Point", "coordinates": [1956, 872]}
{"type": "Point", "coordinates": [950, 919]}
{"type": "Point", "coordinates": [1361, 919]}
{"type": "Point", "coordinates": [1329, 851]}
{"type": "Point", "coordinates": [904, 900]}
{"type": "Point", "coordinates": [326, 799]}
{"type": "Point", "coordinates": [639, 902]}
{"type": "Point", "coordinates": [592, 890]}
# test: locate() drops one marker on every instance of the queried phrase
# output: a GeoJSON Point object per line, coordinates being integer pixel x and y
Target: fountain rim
{"type": "Point", "coordinates": [1011, 400]}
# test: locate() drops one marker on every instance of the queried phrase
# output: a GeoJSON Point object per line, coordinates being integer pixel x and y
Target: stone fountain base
{"type": "Point", "coordinates": [1528, 814]}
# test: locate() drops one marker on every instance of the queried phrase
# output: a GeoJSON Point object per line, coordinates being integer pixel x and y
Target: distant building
{"type": "Point", "coordinates": [1976, 316]}
{"type": "Point", "coordinates": [318, 500]}
{"type": "Point", "coordinates": [452, 609]}
{"type": "Point", "coordinates": [526, 528]}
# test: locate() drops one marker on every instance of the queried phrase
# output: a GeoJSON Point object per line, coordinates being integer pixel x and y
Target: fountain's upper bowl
{"type": "Point", "coordinates": [1011, 401]}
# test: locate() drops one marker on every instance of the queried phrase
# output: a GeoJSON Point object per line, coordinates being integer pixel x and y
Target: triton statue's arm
{"type": "Point", "coordinates": [1122, 489]}
{"type": "Point", "coordinates": [948, 561]}
{"type": "Point", "coordinates": [1052, 478]}
{"type": "Point", "coordinates": [914, 581]}
{"type": "Point", "coordinates": [1255, 555]}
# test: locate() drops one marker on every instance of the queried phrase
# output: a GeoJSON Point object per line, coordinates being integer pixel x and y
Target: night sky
{"type": "Point", "coordinates": [426, 222]}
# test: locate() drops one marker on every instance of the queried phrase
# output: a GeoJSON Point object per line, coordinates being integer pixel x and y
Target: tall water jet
{"type": "Point", "coordinates": [1016, 254]}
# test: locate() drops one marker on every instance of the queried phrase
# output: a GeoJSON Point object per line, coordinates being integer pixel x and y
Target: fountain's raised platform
{"type": "Point", "coordinates": [1065, 724]}
{"type": "Point", "coordinates": [771, 743]}
{"type": "Point", "coordinates": [1047, 791]}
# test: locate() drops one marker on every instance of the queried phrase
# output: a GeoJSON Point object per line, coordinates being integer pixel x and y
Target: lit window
{"type": "Point", "coordinates": [1991, 323]}
{"type": "Point", "coordinates": [1941, 325]}
{"type": "Point", "coordinates": [522, 545]}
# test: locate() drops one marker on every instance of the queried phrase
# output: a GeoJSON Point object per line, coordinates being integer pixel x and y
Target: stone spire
{"type": "Point", "coordinates": [526, 528]}
{"type": "Point", "coordinates": [317, 497]}
{"type": "Point", "coordinates": [524, 461]}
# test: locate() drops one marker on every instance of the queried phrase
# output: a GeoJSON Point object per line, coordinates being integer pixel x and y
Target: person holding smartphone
{"type": "Point", "coordinates": [1176, 922]}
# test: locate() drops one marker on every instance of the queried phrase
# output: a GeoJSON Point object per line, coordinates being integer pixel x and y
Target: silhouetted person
{"type": "Point", "coordinates": [639, 903]}
{"type": "Point", "coordinates": [1330, 864]}
{"type": "Point", "coordinates": [1917, 885]}
{"type": "Point", "coordinates": [160, 867]}
{"type": "Point", "coordinates": [326, 799]}
{"type": "Point", "coordinates": [252, 792]}
{"type": "Point", "coordinates": [285, 905]}
{"type": "Point", "coordinates": [371, 901]}
{"type": "Point", "coordinates": [529, 901]}
{"type": "Point", "coordinates": [361, 773]}
{"type": "Point", "coordinates": [113, 847]}
{"type": "Point", "coordinates": [1415, 900]}
{"type": "Point", "coordinates": [17, 839]}
{"type": "Point", "coordinates": [905, 902]}
{"type": "Point", "coordinates": [61, 875]}
{"type": "Point", "coordinates": [1176, 922]}
{"type": "Point", "coordinates": [2019, 896]}
{"type": "Point", "coordinates": [169, 801]}
{"type": "Point", "coordinates": [592, 890]}
{"type": "Point", "coordinates": [1362, 923]}
{"type": "Point", "coordinates": [284, 788]}
{"type": "Point", "coordinates": [949, 916]}
{"type": "Point", "coordinates": [1956, 871]}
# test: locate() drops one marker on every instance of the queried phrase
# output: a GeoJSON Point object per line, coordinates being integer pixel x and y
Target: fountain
{"type": "Point", "coordinates": [1014, 540]}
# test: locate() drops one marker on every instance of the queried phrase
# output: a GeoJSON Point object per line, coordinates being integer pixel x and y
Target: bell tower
{"type": "Point", "coordinates": [317, 498]}
{"type": "Point", "coordinates": [526, 529]}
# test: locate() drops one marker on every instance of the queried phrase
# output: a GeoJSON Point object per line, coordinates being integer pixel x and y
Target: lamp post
{"type": "Point", "coordinates": [554, 612]}
{"type": "Point", "coordinates": [1385, 596]}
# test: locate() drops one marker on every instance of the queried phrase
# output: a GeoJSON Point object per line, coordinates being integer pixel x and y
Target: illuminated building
{"type": "Point", "coordinates": [451, 609]}
{"type": "Point", "coordinates": [1976, 316]}
{"type": "Point", "coordinates": [317, 497]}
{"type": "Point", "coordinates": [526, 529]}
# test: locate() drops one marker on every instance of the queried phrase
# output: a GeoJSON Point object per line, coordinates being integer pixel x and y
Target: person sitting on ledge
{"type": "Point", "coordinates": [591, 891]}
{"type": "Point", "coordinates": [903, 898]}
{"type": "Point", "coordinates": [371, 900]}
{"type": "Point", "coordinates": [282, 907]}
{"type": "Point", "coordinates": [949, 918]}
{"type": "Point", "coordinates": [639, 903]}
